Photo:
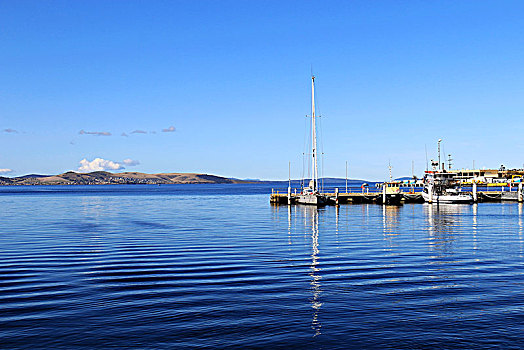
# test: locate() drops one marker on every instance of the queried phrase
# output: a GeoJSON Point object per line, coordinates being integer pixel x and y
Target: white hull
{"type": "Point", "coordinates": [312, 199]}
{"type": "Point", "coordinates": [462, 198]}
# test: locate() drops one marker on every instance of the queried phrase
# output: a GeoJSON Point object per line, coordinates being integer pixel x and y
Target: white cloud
{"type": "Point", "coordinates": [97, 133]}
{"type": "Point", "coordinates": [98, 164]}
{"type": "Point", "coordinates": [11, 131]}
{"type": "Point", "coordinates": [130, 162]}
{"type": "Point", "coordinates": [170, 129]}
{"type": "Point", "coordinates": [124, 134]}
{"type": "Point", "coordinates": [138, 132]}
{"type": "Point", "coordinates": [5, 171]}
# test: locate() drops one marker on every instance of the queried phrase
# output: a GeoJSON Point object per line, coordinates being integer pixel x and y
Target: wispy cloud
{"type": "Point", "coordinates": [98, 164]}
{"type": "Point", "coordinates": [5, 171]}
{"type": "Point", "coordinates": [130, 162]}
{"type": "Point", "coordinates": [138, 132]}
{"type": "Point", "coordinates": [11, 131]}
{"type": "Point", "coordinates": [96, 133]}
{"type": "Point", "coordinates": [124, 134]}
{"type": "Point", "coordinates": [170, 129]}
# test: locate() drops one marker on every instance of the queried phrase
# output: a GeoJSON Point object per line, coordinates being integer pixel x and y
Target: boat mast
{"type": "Point", "coordinates": [313, 136]}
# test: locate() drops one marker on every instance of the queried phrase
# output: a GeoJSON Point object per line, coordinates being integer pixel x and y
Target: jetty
{"type": "Point", "coordinates": [480, 193]}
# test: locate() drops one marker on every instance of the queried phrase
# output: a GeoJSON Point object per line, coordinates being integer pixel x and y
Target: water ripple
{"type": "Point", "coordinates": [95, 272]}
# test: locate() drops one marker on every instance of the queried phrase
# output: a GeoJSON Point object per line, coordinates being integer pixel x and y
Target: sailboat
{"type": "Point", "coordinates": [310, 195]}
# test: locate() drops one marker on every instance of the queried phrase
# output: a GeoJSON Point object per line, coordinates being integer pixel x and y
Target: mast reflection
{"type": "Point", "coordinates": [311, 214]}
{"type": "Point", "coordinates": [475, 225]}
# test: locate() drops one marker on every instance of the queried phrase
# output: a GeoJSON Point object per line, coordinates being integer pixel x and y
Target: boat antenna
{"type": "Point", "coordinates": [346, 176]}
{"type": "Point", "coordinates": [443, 160]}
{"type": "Point", "coordinates": [390, 167]}
{"type": "Point", "coordinates": [439, 165]}
{"type": "Point", "coordinates": [289, 173]}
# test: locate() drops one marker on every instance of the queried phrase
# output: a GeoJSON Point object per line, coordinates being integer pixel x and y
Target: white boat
{"type": "Point", "coordinates": [310, 197]}
{"type": "Point", "coordinates": [441, 187]}
{"type": "Point", "coordinates": [311, 194]}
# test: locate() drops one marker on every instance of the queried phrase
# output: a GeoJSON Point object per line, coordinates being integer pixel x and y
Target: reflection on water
{"type": "Point", "coordinates": [475, 226]}
{"type": "Point", "coordinates": [444, 222]}
{"type": "Point", "coordinates": [521, 238]}
{"type": "Point", "coordinates": [390, 223]}
{"type": "Point", "coordinates": [390, 219]}
{"type": "Point", "coordinates": [311, 214]}
{"type": "Point", "coordinates": [79, 271]}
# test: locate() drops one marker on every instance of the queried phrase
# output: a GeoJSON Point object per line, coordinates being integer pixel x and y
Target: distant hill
{"type": "Point", "coordinates": [334, 180]}
{"type": "Point", "coordinates": [107, 178]}
{"type": "Point", "coordinates": [32, 176]}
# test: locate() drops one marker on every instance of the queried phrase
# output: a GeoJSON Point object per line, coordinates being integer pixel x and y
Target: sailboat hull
{"type": "Point", "coordinates": [312, 199]}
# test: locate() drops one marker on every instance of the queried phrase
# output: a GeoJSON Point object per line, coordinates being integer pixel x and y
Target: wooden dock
{"type": "Point", "coordinates": [345, 198]}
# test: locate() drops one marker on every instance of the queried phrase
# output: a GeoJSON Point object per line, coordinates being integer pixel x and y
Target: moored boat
{"type": "Point", "coordinates": [441, 187]}
{"type": "Point", "coordinates": [391, 193]}
{"type": "Point", "coordinates": [311, 194]}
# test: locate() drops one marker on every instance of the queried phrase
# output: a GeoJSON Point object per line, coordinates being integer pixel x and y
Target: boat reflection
{"type": "Point", "coordinates": [390, 225]}
{"type": "Point", "coordinates": [390, 219]}
{"type": "Point", "coordinates": [443, 223]}
{"type": "Point", "coordinates": [521, 238]}
{"type": "Point", "coordinates": [474, 208]}
{"type": "Point", "coordinates": [311, 215]}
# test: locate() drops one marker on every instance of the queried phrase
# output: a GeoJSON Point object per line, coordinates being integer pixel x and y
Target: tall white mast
{"type": "Point", "coordinates": [313, 137]}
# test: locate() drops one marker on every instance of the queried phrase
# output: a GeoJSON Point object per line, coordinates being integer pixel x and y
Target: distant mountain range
{"type": "Point", "coordinates": [107, 178]}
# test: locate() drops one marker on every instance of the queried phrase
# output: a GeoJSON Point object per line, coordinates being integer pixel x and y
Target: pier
{"type": "Point", "coordinates": [481, 193]}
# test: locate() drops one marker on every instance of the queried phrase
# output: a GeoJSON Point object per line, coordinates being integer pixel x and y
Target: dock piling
{"type": "Point", "coordinates": [520, 193]}
{"type": "Point", "coordinates": [475, 196]}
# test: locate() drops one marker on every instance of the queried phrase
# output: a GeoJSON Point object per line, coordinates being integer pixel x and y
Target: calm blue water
{"type": "Point", "coordinates": [192, 266]}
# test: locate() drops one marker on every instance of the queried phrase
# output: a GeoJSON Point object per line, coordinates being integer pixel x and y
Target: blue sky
{"type": "Point", "coordinates": [233, 79]}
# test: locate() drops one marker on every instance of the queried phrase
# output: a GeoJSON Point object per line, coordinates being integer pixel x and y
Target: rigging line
{"type": "Point", "coordinates": [302, 181]}
{"type": "Point", "coordinates": [310, 169]}
{"type": "Point", "coordinates": [321, 152]}
{"type": "Point", "coordinates": [304, 151]}
{"type": "Point", "coordinates": [322, 149]}
{"type": "Point", "coordinates": [322, 162]}
{"type": "Point", "coordinates": [317, 104]}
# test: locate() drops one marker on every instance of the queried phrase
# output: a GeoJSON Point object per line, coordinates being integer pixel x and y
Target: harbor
{"type": "Point", "coordinates": [407, 195]}
{"type": "Point", "coordinates": [440, 185]}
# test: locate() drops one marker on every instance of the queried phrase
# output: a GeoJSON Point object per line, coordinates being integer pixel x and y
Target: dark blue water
{"type": "Point", "coordinates": [216, 266]}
